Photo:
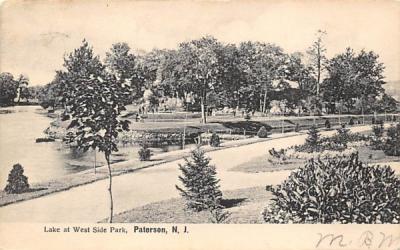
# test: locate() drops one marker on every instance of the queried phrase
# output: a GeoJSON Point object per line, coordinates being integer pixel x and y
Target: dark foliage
{"type": "Point", "coordinates": [262, 132]}
{"type": "Point", "coordinates": [200, 184]}
{"type": "Point", "coordinates": [144, 153]}
{"type": "Point", "coordinates": [313, 138]}
{"type": "Point", "coordinates": [376, 140]}
{"type": "Point", "coordinates": [327, 124]}
{"type": "Point", "coordinates": [392, 144]}
{"type": "Point", "coordinates": [297, 128]}
{"type": "Point", "coordinates": [214, 140]}
{"type": "Point", "coordinates": [17, 182]}
{"type": "Point", "coordinates": [351, 121]}
{"type": "Point", "coordinates": [336, 191]}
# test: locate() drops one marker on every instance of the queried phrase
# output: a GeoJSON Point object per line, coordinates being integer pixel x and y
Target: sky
{"type": "Point", "coordinates": [35, 35]}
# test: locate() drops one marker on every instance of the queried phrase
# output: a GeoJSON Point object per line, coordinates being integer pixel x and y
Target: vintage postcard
{"type": "Point", "coordinates": [199, 124]}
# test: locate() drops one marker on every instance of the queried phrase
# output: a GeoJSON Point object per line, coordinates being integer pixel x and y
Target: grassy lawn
{"type": "Point", "coordinates": [245, 206]}
{"type": "Point", "coordinates": [261, 164]}
{"type": "Point", "coordinates": [375, 156]}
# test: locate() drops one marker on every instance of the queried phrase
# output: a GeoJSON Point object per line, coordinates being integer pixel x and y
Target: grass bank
{"type": "Point", "coordinates": [245, 206]}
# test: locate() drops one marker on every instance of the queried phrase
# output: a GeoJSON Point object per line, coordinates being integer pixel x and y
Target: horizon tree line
{"type": "Point", "coordinates": [249, 75]}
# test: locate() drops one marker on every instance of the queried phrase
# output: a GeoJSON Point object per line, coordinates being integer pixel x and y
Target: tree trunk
{"type": "Point", "coordinates": [95, 161]}
{"type": "Point", "coordinates": [203, 102]}
{"type": "Point", "coordinates": [110, 188]}
{"type": "Point", "coordinates": [203, 111]}
{"type": "Point", "coordinates": [19, 95]}
{"type": "Point", "coordinates": [265, 102]}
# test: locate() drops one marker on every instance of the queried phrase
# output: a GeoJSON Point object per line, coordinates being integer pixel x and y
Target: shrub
{"type": "Point", "coordinates": [214, 140]}
{"type": "Point", "coordinates": [351, 121]}
{"type": "Point", "coordinates": [17, 181]}
{"type": "Point", "coordinates": [343, 136]}
{"type": "Point", "coordinates": [297, 128]}
{"type": "Point", "coordinates": [144, 153]}
{"type": "Point", "coordinates": [200, 184]}
{"type": "Point", "coordinates": [313, 138]}
{"type": "Point", "coordinates": [218, 215]}
{"type": "Point", "coordinates": [392, 144]}
{"type": "Point", "coordinates": [327, 124]}
{"type": "Point", "coordinates": [262, 132]}
{"type": "Point", "coordinates": [336, 191]}
{"type": "Point", "coordinates": [376, 141]}
{"type": "Point", "coordinates": [378, 130]}
{"type": "Point", "coordinates": [279, 155]}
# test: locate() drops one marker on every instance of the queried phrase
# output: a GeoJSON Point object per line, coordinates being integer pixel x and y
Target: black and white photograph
{"type": "Point", "coordinates": [150, 113]}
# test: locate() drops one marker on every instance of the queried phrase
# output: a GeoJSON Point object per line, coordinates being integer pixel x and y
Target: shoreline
{"type": "Point", "coordinates": [87, 176]}
{"type": "Point", "coordinates": [124, 167]}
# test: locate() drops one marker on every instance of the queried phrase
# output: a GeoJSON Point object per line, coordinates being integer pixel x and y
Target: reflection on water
{"type": "Point", "coordinates": [45, 161]}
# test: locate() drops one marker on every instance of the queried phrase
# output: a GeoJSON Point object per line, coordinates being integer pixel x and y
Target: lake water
{"type": "Point", "coordinates": [44, 161]}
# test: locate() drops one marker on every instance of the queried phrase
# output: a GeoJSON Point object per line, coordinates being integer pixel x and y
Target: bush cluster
{"type": "Point", "coordinates": [337, 142]}
{"type": "Point", "coordinates": [336, 191]}
{"type": "Point", "coordinates": [17, 182]}
{"type": "Point", "coordinates": [327, 124]}
{"type": "Point", "coordinates": [215, 140]}
{"type": "Point", "coordinates": [144, 153]}
{"type": "Point", "coordinates": [279, 155]}
{"type": "Point", "coordinates": [392, 143]}
{"type": "Point", "coordinates": [262, 132]}
{"type": "Point", "coordinates": [376, 140]}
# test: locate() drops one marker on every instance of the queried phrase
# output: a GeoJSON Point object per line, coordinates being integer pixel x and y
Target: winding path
{"type": "Point", "coordinates": [90, 203]}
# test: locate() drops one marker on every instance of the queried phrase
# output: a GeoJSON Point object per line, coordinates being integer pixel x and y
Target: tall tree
{"type": "Point", "coordinates": [368, 77]}
{"type": "Point", "coordinates": [339, 85]}
{"type": "Point", "coordinates": [23, 82]}
{"type": "Point", "coordinates": [317, 57]}
{"type": "Point", "coordinates": [352, 77]}
{"type": "Point", "coordinates": [124, 65]}
{"type": "Point", "coordinates": [231, 77]}
{"type": "Point", "coordinates": [199, 68]}
{"type": "Point", "coordinates": [94, 104]}
{"type": "Point", "coordinates": [8, 88]}
{"type": "Point", "coordinates": [261, 64]}
{"type": "Point", "coordinates": [80, 66]}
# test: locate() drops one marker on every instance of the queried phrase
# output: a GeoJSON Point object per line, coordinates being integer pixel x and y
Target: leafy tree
{"type": "Point", "coordinates": [123, 64]}
{"type": "Point", "coordinates": [339, 85]}
{"type": "Point", "coordinates": [231, 77]}
{"type": "Point", "coordinates": [17, 182]}
{"type": "Point", "coordinates": [317, 57]}
{"type": "Point", "coordinates": [352, 77]}
{"type": "Point", "coordinates": [261, 64]}
{"type": "Point", "coordinates": [52, 93]}
{"type": "Point", "coordinates": [94, 105]}
{"type": "Point", "coordinates": [368, 77]}
{"type": "Point", "coordinates": [23, 82]}
{"type": "Point", "coordinates": [8, 88]}
{"type": "Point", "coordinates": [81, 66]}
{"type": "Point", "coordinates": [199, 69]}
{"type": "Point", "coordinates": [387, 103]}
{"type": "Point", "coordinates": [200, 184]}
